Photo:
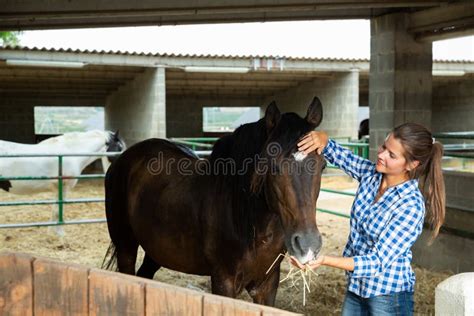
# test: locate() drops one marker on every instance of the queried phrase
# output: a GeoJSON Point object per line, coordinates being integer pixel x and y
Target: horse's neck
{"type": "Point", "coordinates": [93, 145]}
{"type": "Point", "coordinates": [244, 145]}
{"type": "Point", "coordinates": [239, 208]}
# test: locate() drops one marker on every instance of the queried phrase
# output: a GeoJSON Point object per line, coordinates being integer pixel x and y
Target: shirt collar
{"type": "Point", "coordinates": [403, 188]}
{"type": "Point", "coordinates": [407, 187]}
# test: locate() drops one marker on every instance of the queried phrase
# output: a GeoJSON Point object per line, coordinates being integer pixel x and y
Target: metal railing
{"type": "Point", "coordinates": [206, 143]}
{"type": "Point", "coordinates": [60, 180]}
{"type": "Point", "coordinates": [461, 151]}
{"type": "Point", "coordinates": [455, 135]}
{"type": "Point", "coordinates": [361, 149]}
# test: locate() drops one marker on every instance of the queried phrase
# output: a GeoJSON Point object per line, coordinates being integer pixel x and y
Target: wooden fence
{"type": "Point", "coordinates": [37, 286]}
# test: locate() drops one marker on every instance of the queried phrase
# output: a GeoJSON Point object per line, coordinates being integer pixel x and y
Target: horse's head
{"type": "Point", "coordinates": [114, 143]}
{"type": "Point", "coordinates": [291, 180]}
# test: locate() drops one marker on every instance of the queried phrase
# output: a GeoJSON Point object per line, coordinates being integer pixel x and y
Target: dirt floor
{"type": "Point", "coordinates": [86, 244]}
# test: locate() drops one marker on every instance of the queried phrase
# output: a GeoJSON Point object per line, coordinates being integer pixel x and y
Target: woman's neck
{"type": "Point", "coordinates": [393, 180]}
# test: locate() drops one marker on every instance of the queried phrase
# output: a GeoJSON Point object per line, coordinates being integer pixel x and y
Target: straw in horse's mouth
{"type": "Point", "coordinates": [305, 274]}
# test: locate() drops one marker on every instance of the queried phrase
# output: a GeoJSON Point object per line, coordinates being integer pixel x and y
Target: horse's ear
{"type": "Point", "coordinates": [314, 115]}
{"type": "Point", "coordinates": [272, 116]}
{"type": "Point", "coordinates": [116, 134]}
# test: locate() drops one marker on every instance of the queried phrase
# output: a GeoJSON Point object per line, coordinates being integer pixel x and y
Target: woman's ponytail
{"type": "Point", "coordinates": [420, 146]}
{"type": "Point", "coordinates": [434, 191]}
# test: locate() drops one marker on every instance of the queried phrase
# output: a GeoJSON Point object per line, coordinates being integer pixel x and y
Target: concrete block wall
{"type": "Point", "coordinates": [459, 191]}
{"type": "Point", "coordinates": [339, 96]}
{"type": "Point", "coordinates": [448, 252]}
{"type": "Point", "coordinates": [184, 114]}
{"type": "Point", "coordinates": [400, 81]}
{"type": "Point", "coordinates": [138, 109]}
{"type": "Point", "coordinates": [453, 248]}
{"type": "Point", "coordinates": [17, 121]}
{"type": "Point", "coordinates": [453, 106]}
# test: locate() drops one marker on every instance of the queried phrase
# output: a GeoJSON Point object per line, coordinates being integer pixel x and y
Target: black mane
{"type": "Point", "coordinates": [249, 142]}
{"type": "Point", "coordinates": [245, 142]}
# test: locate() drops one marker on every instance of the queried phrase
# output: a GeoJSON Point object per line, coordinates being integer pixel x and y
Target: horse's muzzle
{"type": "Point", "coordinates": [305, 246]}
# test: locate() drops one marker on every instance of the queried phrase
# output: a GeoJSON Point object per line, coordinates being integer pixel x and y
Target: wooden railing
{"type": "Point", "coordinates": [37, 286]}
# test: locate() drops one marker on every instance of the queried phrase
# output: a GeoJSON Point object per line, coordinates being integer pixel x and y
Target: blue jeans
{"type": "Point", "coordinates": [393, 304]}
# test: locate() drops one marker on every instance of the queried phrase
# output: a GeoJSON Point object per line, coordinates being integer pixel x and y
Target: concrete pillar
{"type": "Point", "coordinates": [138, 109]}
{"type": "Point", "coordinates": [159, 113]}
{"type": "Point", "coordinates": [455, 295]}
{"type": "Point", "coordinates": [339, 96]}
{"type": "Point", "coordinates": [400, 78]}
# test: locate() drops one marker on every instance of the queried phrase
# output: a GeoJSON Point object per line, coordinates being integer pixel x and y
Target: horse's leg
{"type": "Point", "coordinates": [58, 229]}
{"type": "Point", "coordinates": [126, 254]}
{"type": "Point", "coordinates": [223, 285]}
{"type": "Point", "coordinates": [265, 292]}
{"type": "Point", "coordinates": [105, 163]}
{"type": "Point", "coordinates": [148, 268]}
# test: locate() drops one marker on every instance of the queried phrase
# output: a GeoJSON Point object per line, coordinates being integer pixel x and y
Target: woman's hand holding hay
{"type": "Point", "coordinates": [313, 264]}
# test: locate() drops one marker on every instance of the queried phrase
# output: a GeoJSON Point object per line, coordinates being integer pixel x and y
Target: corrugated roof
{"type": "Point", "coordinates": [110, 52]}
{"type": "Point", "coordinates": [75, 84]}
{"type": "Point", "coordinates": [166, 55]}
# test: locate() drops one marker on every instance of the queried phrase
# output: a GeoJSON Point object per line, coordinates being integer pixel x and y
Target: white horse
{"type": "Point", "coordinates": [70, 143]}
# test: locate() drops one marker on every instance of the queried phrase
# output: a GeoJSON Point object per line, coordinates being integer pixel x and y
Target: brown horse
{"type": "Point", "coordinates": [228, 217]}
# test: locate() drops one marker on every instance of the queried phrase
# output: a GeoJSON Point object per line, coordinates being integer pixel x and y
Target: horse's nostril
{"type": "Point", "coordinates": [297, 243]}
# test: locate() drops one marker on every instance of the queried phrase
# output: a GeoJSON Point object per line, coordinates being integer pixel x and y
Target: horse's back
{"type": "Point", "coordinates": [151, 201]}
{"type": "Point", "coordinates": [7, 147]}
{"type": "Point", "coordinates": [150, 164]}
{"type": "Point", "coordinates": [154, 146]}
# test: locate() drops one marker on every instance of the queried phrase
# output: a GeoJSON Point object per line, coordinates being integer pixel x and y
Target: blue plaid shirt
{"type": "Point", "coordinates": [381, 233]}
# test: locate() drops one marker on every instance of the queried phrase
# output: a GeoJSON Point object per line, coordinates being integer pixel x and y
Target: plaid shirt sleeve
{"type": "Point", "coordinates": [355, 166]}
{"type": "Point", "coordinates": [397, 238]}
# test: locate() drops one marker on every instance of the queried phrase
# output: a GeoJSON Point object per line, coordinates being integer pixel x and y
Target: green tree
{"type": "Point", "coordinates": [9, 38]}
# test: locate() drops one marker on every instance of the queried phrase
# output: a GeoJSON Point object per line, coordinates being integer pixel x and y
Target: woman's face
{"type": "Point", "coordinates": [390, 158]}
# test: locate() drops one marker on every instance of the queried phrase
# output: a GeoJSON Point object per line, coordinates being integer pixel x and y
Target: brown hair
{"type": "Point", "coordinates": [420, 145]}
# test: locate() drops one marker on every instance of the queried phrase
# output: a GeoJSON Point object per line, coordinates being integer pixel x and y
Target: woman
{"type": "Point", "coordinates": [386, 218]}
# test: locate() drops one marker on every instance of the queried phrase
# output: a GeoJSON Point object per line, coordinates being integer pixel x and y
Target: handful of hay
{"type": "Point", "coordinates": [295, 274]}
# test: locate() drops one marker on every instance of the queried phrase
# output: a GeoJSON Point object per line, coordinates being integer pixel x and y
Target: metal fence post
{"type": "Point", "coordinates": [60, 190]}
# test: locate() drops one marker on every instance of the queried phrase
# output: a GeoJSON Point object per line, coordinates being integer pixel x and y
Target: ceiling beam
{"type": "Point", "coordinates": [61, 80]}
{"type": "Point", "coordinates": [31, 14]}
{"type": "Point", "coordinates": [218, 93]}
{"type": "Point", "coordinates": [55, 101]}
{"type": "Point", "coordinates": [76, 74]}
{"type": "Point", "coordinates": [53, 92]}
{"type": "Point", "coordinates": [122, 8]}
{"type": "Point", "coordinates": [230, 83]}
{"type": "Point", "coordinates": [55, 87]}
{"type": "Point", "coordinates": [256, 76]}
{"type": "Point", "coordinates": [449, 21]}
